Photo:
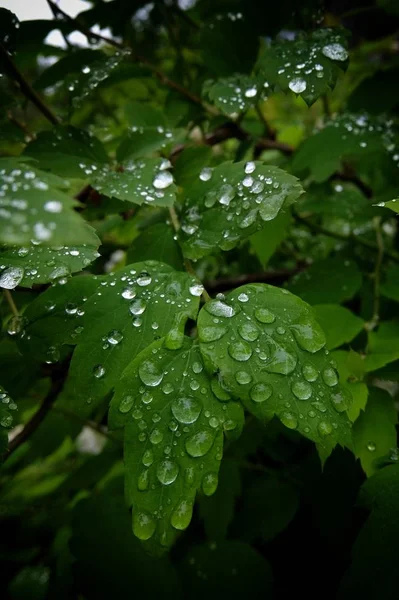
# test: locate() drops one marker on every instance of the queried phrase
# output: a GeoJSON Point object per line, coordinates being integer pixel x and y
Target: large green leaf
{"type": "Point", "coordinates": [32, 207]}
{"type": "Point", "coordinates": [68, 152]}
{"type": "Point", "coordinates": [374, 572]}
{"type": "Point", "coordinates": [328, 281]}
{"type": "Point", "coordinates": [309, 65]}
{"type": "Point", "coordinates": [144, 141]}
{"type": "Point", "coordinates": [231, 202]}
{"type": "Point", "coordinates": [348, 136]}
{"type": "Point", "coordinates": [146, 180]}
{"type": "Point", "coordinates": [383, 346]}
{"type": "Point", "coordinates": [268, 350]}
{"type": "Point", "coordinates": [338, 323]}
{"type": "Point", "coordinates": [40, 264]}
{"type": "Point", "coordinates": [374, 433]}
{"type": "Point", "coordinates": [234, 95]}
{"type": "Point", "coordinates": [111, 318]}
{"type": "Point", "coordinates": [173, 436]}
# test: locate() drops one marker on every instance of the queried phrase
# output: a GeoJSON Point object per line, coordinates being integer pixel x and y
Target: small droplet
{"type": "Point", "coordinates": [149, 374]}
{"type": "Point", "coordinates": [182, 515]}
{"type": "Point", "coordinates": [206, 174]}
{"type": "Point", "coordinates": [264, 315]}
{"type": "Point", "coordinates": [167, 472]}
{"type": "Point", "coordinates": [335, 52]}
{"type": "Point", "coordinates": [240, 351]}
{"type": "Point", "coordinates": [310, 373]}
{"type": "Point", "coordinates": [186, 409]}
{"type": "Point", "coordinates": [137, 307]}
{"type": "Point", "coordinates": [302, 390]}
{"type": "Point", "coordinates": [126, 404]}
{"type": "Point", "coordinates": [196, 289]}
{"type": "Point", "coordinates": [248, 331]}
{"type": "Point", "coordinates": [261, 392]}
{"type": "Point", "coordinates": [148, 458]}
{"type": "Point", "coordinates": [217, 308]}
{"type": "Point", "coordinates": [371, 447]}
{"type": "Point", "coordinates": [209, 483]}
{"type": "Point", "coordinates": [289, 420]}
{"type": "Point", "coordinates": [324, 428]}
{"type": "Point", "coordinates": [330, 377]}
{"type": "Point", "coordinates": [242, 377]}
{"type": "Point", "coordinates": [297, 85]}
{"type": "Point", "coordinates": [200, 443]}
{"type": "Point", "coordinates": [98, 371]}
{"type": "Point", "coordinates": [156, 436]}
{"type": "Point", "coordinates": [142, 481]}
{"type": "Point", "coordinates": [162, 180]}
{"type": "Point", "coordinates": [114, 337]}
{"type": "Point", "coordinates": [143, 525]}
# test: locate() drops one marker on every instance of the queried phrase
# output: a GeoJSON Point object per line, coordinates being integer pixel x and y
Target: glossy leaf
{"type": "Point", "coordinates": [268, 350]}
{"type": "Point", "coordinates": [111, 319]}
{"type": "Point", "coordinates": [328, 281]}
{"type": "Point", "coordinates": [383, 346]}
{"type": "Point", "coordinates": [37, 264]}
{"type": "Point", "coordinates": [338, 323]}
{"type": "Point", "coordinates": [33, 207]}
{"type": "Point", "coordinates": [7, 408]}
{"type": "Point", "coordinates": [374, 433]}
{"type": "Point", "coordinates": [144, 141]}
{"type": "Point", "coordinates": [309, 65]}
{"type": "Point", "coordinates": [231, 202]}
{"type": "Point", "coordinates": [173, 436]}
{"type": "Point", "coordinates": [350, 366]}
{"type": "Point", "coordinates": [156, 242]}
{"type": "Point", "coordinates": [234, 95]}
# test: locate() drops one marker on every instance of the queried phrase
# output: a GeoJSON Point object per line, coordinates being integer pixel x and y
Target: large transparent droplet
{"type": "Point", "coordinates": [186, 409]}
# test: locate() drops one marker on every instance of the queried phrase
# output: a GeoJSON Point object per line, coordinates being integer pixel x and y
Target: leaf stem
{"type": "Point", "coordinates": [11, 303]}
{"type": "Point", "coordinates": [26, 88]}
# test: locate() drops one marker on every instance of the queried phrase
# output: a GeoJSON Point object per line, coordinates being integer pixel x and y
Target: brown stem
{"type": "Point", "coordinates": [11, 303]}
{"type": "Point", "coordinates": [26, 88]}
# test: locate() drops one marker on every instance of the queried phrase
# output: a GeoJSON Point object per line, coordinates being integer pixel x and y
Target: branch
{"type": "Point", "coordinates": [31, 426]}
{"type": "Point", "coordinates": [11, 303]}
{"type": "Point", "coordinates": [26, 88]}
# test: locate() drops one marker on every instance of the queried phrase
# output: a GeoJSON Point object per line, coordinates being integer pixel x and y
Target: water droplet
{"type": "Point", "coordinates": [186, 409]}
{"type": "Point", "coordinates": [220, 393]}
{"type": "Point", "coordinates": [261, 392]}
{"type": "Point", "coordinates": [297, 85]}
{"type": "Point", "coordinates": [143, 525]}
{"type": "Point", "coordinates": [206, 174]}
{"type": "Point", "coordinates": [197, 367]}
{"type": "Point", "coordinates": [200, 443]}
{"type": "Point", "coordinates": [142, 481]}
{"type": "Point", "coordinates": [264, 315]}
{"type": "Point", "coordinates": [182, 515]}
{"type": "Point", "coordinates": [330, 377]}
{"type": "Point", "coordinates": [324, 428]}
{"type": "Point", "coordinates": [240, 351]}
{"type": "Point", "coordinates": [371, 447]}
{"type": "Point", "coordinates": [335, 52]}
{"type": "Point", "coordinates": [250, 167]}
{"type": "Point", "coordinates": [310, 373]}
{"type": "Point", "coordinates": [98, 371]}
{"type": "Point", "coordinates": [126, 403]}
{"type": "Point", "coordinates": [196, 289]}
{"type": "Point", "coordinates": [156, 436]}
{"type": "Point", "coordinates": [11, 277]}
{"type": "Point", "coordinates": [248, 331]}
{"type": "Point", "coordinates": [114, 337]}
{"type": "Point", "coordinates": [167, 472]}
{"type": "Point", "coordinates": [137, 307]}
{"type": "Point", "coordinates": [144, 279]}
{"type": "Point", "coordinates": [217, 308]}
{"type": "Point", "coordinates": [15, 325]}
{"type": "Point", "coordinates": [128, 293]}
{"type": "Point", "coordinates": [302, 390]}
{"type": "Point", "coordinates": [310, 336]}
{"type": "Point", "coordinates": [242, 377]}
{"type": "Point", "coordinates": [162, 180]}
{"type": "Point", "coordinates": [212, 333]}
{"type": "Point", "coordinates": [148, 458]}
{"type": "Point", "coordinates": [289, 420]}
{"type": "Point", "coordinates": [149, 374]}
{"type": "Point", "coordinates": [209, 483]}
{"type": "Point", "coordinates": [341, 400]}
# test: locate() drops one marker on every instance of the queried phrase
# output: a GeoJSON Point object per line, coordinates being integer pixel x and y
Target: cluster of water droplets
{"type": "Point", "coordinates": [265, 345]}
{"type": "Point", "coordinates": [6, 405]}
{"type": "Point", "coordinates": [39, 264]}
{"type": "Point", "coordinates": [146, 180]}
{"type": "Point", "coordinates": [240, 203]}
{"type": "Point", "coordinates": [233, 95]}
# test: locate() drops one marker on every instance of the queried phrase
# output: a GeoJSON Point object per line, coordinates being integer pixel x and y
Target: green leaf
{"type": "Point", "coordinates": [358, 137]}
{"type": "Point", "coordinates": [93, 75]}
{"type": "Point", "coordinates": [390, 287]}
{"type": "Point", "coordinates": [374, 433]}
{"type": "Point", "coordinates": [234, 95]}
{"type": "Point", "coordinates": [217, 511]}
{"type": "Point", "coordinates": [339, 201]}
{"type": "Point", "coordinates": [68, 152]}
{"type": "Point", "coordinates": [392, 204]}
{"type": "Point", "coordinates": [383, 346]}
{"type": "Point", "coordinates": [156, 242]}
{"type": "Point", "coordinates": [309, 65]}
{"type": "Point", "coordinates": [33, 208]}
{"type": "Point", "coordinates": [338, 323]}
{"type": "Point", "coordinates": [268, 350]}
{"type": "Point", "coordinates": [328, 281]}
{"type": "Point", "coordinates": [140, 181]}
{"type": "Point", "coordinates": [266, 241]}
{"type": "Point", "coordinates": [111, 319]}
{"type": "Point", "coordinates": [7, 407]}
{"type": "Point", "coordinates": [144, 141]}
{"type": "Point", "coordinates": [70, 63]}
{"type": "Point", "coordinates": [350, 366]}
{"type": "Point", "coordinates": [373, 572]}
{"type": "Point", "coordinates": [231, 202]}
{"type": "Point", "coordinates": [173, 436]}
{"type": "Point", "coordinates": [37, 264]}
{"type": "Point", "coordinates": [228, 569]}
{"type": "Point", "coordinates": [190, 162]}
{"type": "Point", "coordinates": [141, 114]}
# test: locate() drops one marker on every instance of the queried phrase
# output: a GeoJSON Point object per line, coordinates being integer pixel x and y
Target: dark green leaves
{"type": "Point", "coordinates": [7, 407]}
{"type": "Point", "coordinates": [338, 323]}
{"type": "Point", "coordinates": [9, 25]}
{"type": "Point", "coordinates": [231, 202]}
{"type": "Point", "coordinates": [173, 436]}
{"type": "Point", "coordinates": [268, 350]}
{"type": "Point", "coordinates": [144, 141]}
{"type": "Point", "coordinates": [111, 319]}
{"type": "Point", "coordinates": [234, 95]}
{"type": "Point", "coordinates": [33, 208]}
{"type": "Point", "coordinates": [308, 66]}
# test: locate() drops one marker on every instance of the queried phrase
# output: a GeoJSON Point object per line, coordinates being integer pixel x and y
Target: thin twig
{"type": "Point", "coordinates": [11, 303]}
{"type": "Point", "coordinates": [26, 88]}
{"type": "Point", "coordinates": [32, 425]}
{"type": "Point", "coordinates": [87, 423]}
